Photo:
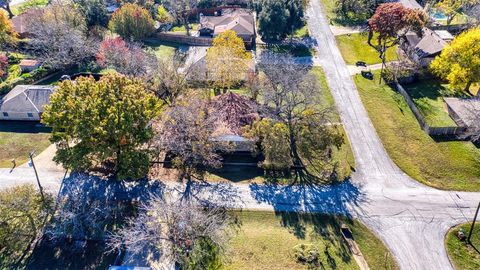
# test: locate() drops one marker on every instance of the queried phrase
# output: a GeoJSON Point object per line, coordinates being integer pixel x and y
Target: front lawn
{"type": "Point", "coordinates": [334, 19]}
{"type": "Point", "coordinates": [18, 139]}
{"type": "Point", "coordinates": [266, 240]}
{"type": "Point", "coordinates": [428, 97]}
{"type": "Point", "coordinates": [354, 47]}
{"type": "Point", "coordinates": [293, 50]}
{"type": "Point", "coordinates": [463, 255]}
{"type": "Point", "coordinates": [444, 165]}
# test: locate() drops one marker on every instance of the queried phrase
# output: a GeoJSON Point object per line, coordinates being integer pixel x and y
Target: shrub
{"type": "Point", "coordinates": [307, 254]}
{"type": "Point", "coordinates": [132, 21]}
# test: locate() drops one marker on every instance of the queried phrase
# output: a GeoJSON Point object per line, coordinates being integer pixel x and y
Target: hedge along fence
{"type": "Point", "coordinates": [454, 131]}
{"type": "Point", "coordinates": [181, 39]}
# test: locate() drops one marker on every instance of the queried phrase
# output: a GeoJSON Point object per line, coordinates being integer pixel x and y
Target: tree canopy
{"type": "Point", "coordinates": [104, 122]}
{"type": "Point", "coordinates": [459, 62]}
{"type": "Point", "coordinates": [227, 60]}
{"type": "Point", "coordinates": [95, 11]}
{"type": "Point", "coordinates": [8, 36]}
{"type": "Point", "coordinates": [277, 18]}
{"type": "Point", "coordinates": [132, 22]}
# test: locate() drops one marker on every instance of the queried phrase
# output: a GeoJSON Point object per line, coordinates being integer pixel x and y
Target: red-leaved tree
{"type": "Point", "coordinates": [3, 65]}
{"type": "Point", "coordinates": [390, 23]}
{"type": "Point", "coordinates": [126, 58]}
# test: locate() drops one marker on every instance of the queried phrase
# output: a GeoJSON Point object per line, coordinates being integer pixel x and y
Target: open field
{"type": "Point", "coordinates": [266, 240]}
{"type": "Point", "coordinates": [463, 255]}
{"type": "Point", "coordinates": [428, 97]}
{"type": "Point", "coordinates": [354, 47]}
{"type": "Point", "coordinates": [444, 165]}
{"type": "Point", "coordinates": [17, 139]}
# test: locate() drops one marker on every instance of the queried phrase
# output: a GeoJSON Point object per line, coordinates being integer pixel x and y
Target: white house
{"type": "Point", "coordinates": [25, 102]}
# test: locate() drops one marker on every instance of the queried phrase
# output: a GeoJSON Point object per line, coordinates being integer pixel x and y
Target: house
{"type": "Point", "coordinates": [20, 22]}
{"type": "Point", "coordinates": [464, 111]}
{"type": "Point", "coordinates": [423, 49]}
{"type": "Point", "coordinates": [25, 102]}
{"type": "Point", "coordinates": [28, 65]}
{"type": "Point", "coordinates": [237, 19]}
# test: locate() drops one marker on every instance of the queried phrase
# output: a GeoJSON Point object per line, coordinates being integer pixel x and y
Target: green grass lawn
{"type": "Point", "coordinates": [163, 50]}
{"type": "Point", "coordinates": [295, 51]}
{"type": "Point", "coordinates": [428, 97]}
{"type": "Point", "coordinates": [352, 20]}
{"type": "Point", "coordinates": [444, 165]}
{"type": "Point", "coordinates": [266, 240]}
{"type": "Point", "coordinates": [301, 32]}
{"type": "Point", "coordinates": [182, 29]}
{"type": "Point", "coordinates": [18, 139]}
{"type": "Point", "coordinates": [463, 255]}
{"type": "Point", "coordinates": [355, 48]}
{"type": "Point", "coordinates": [20, 8]}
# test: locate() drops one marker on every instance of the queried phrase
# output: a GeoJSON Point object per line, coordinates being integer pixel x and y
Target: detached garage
{"type": "Point", "coordinates": [25, 102]}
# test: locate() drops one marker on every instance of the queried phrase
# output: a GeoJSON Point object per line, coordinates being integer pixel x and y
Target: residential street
{"type": "Point", "coordinates": [409, 217]}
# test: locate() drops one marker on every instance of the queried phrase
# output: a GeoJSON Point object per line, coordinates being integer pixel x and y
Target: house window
{"type": "Point", "coordinates": [30, 114]}
{"type": "Point", "coordinates": [5, 114]}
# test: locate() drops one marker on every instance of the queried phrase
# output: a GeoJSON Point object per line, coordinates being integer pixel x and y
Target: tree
{"type": "Point", "coordinates": [180, 10]}
{"type": "Point", "coordinates": [227, 60]}
{"type": "Point", "coordinates": [168, 81]}
{"type": "Point", "coordinates": [8, 36]}
{"type": "Point", "coordinates": [163, 16]}
{"type": "Point", "coordinates": [451, 8]}
{"type": "Point", "coordinates": [126, 58]}
{"type": "Point", "coordinates": [390, 23]}
{"type": "Point", "coordinates": [459, 62]}
{"type": "Point", "coordinates": [60, 37]}
{"type": "Point", "coordinates": [184, 133]}
{"type": "Point", "coordinates": [298, 132]}
{"type": "Point", "coordinates": [5, 5]}
{"type": "Point", "coordinates": [357, 10]}
{"type": "Point", "coordinates": [276, 18]}
{"type": "Point", "coordinates": [132, 22]}
{"type": "Point", "coordinates": [22, 217]}
{"type": "Point", "coordinates": [3, 65]}
{"type": "Point", "coordinates": [95, 11]}
{"type": "Point", "coordinates": [102, 123]}
{"type": "Point", "coordinates": [183, 232]}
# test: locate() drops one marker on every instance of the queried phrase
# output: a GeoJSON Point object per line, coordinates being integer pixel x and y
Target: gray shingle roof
{"type": "Point", "coordinates": [26, 98]}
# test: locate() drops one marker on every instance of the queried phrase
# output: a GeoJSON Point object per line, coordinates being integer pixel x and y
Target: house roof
{"type": "Point", "coordinates": [26, 98]}
{"type": "Point", "coordinates": [20, 22]}
{"type": "Point", "coordinates": [28, 62]}
{"type": "Point", "coordinates": [429, 44]}
{"type": "Point", "coordinates": [466, 109]}
{"type": "Point", "coordinates": [239, 20]}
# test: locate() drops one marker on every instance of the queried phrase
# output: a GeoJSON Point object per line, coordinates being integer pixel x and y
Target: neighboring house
{"type": "Point", "coordinates": [239, 20]}
{"type": "Point", "coordinates": [425, 48]}
{"type": "Point", "coordinates": [28, 65]}
{"type": "Point", "coordinates": [464, 111]}
{"type": "Point", "coordinates": [25, 102]}
{"type": "Point", "coordinates": [20, 22]}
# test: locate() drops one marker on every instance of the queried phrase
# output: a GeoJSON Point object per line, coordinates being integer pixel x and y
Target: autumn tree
{"type": "Point", "coordinates": [452, 8]}
{"type": "Point", "coordinates": [184, 132]}
{"type": "Point", "coordinates": [5, 5]}
{"type": "Point", "coordinates": [459, 62]}
{"type": "Point", "coordinates": [163, 16]}
{"type": "Point", "coordinates": [298, 133]}
{"type": "Point", "coordinates": [3, 65]}
{"type": "Point", "coordinates": [102, 123]}
{"type": "Point", "coordinates": [180, 10]}
{"type": "Point", "coordinates": [227, 60]}
{"type": "Point", "coordinates": [22, 218]}
{"type": "Point", "coordinates": [60, 36]}
{"type": "Point", "coordinates": [126, 58]}
{"type": "Point", "coordinates": [186, 233]}
{"type": "Point", "coordinates": [8, 36]}
{"type": "Point", "coordinates": [390, 23]}
{"type": "Point", "coordinates": [132, 22]}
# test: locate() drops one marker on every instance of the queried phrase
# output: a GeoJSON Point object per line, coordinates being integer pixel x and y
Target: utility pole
{"type": "Point", "coordinates": [473, 224]}
{"type": "Point", "coordinates": [36, 175]}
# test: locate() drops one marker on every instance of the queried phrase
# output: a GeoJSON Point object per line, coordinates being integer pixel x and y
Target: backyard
{"type": "Point", "coordinates": [266, 241]}
{"type": "Point", "coordinates": [428, 97]}
{"type": "Point", "coordinates": [463, 255]}
{"type": "Point", "coordinates": [18, 139]}
{"type": "Point", "coordinates": [444, 165]}
{"type": "Point", "coordinates": [354, 47]}
{"type": "Point", "coordinates": [163, 50]}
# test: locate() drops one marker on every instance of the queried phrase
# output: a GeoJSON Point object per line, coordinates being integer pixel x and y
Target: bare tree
{"type": "Point", "coordinates": [168, 81]}
{"type": "Point", "coordinates": [60, 36]}
{"type": "Point", "coordinates": [184, 132]}
{"type": "Point", "coordinates": [177, 231]}
{"type": "Point", "coordinates": [181, 9]}
{"type": "Point", "coordinates": [297, 117]}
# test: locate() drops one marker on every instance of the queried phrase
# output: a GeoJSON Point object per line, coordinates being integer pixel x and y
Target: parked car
{"type": "Point", "coordinates": [367, 75]}
{"type": "Point", "coordinates": [361, 64]}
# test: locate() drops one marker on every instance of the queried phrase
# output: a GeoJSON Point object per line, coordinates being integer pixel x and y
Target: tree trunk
{"type": "Point", "coordinates": [467, 87]}
{"type": "Point", "coordinates": [187, 27]}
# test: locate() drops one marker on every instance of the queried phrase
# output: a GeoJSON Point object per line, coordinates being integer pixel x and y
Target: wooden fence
{"type": "Point", "coordinates": [182, 39]}
{"type": "Point", "coordinates": [453, 131]}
